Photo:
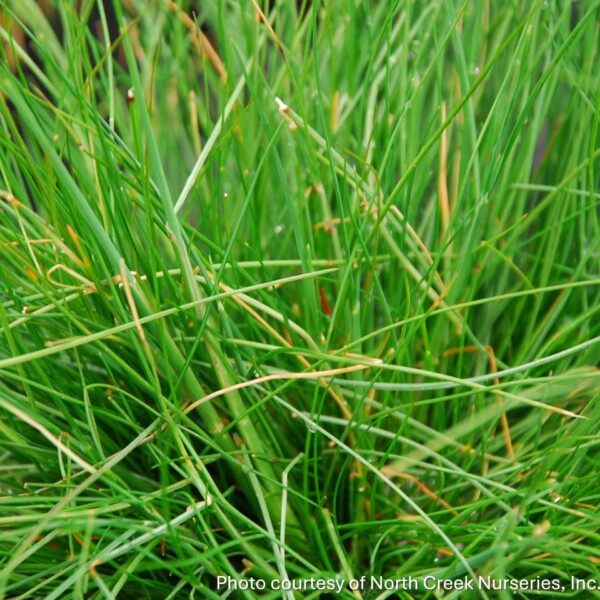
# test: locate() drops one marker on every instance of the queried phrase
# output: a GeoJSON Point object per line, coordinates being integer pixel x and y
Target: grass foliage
{"type": "Point", "coordinates": [304, 290]}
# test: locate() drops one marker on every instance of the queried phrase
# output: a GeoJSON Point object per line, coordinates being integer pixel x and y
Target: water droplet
{"type": "Point", "coordinates": [311, 426]}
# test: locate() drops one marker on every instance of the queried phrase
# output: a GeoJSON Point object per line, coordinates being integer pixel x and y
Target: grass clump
{"type": "Point", "coordinates": [297, 292]}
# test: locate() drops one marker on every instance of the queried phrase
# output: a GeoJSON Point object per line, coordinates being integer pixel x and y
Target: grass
{"type": "Point", "coordinates": [298, 291]}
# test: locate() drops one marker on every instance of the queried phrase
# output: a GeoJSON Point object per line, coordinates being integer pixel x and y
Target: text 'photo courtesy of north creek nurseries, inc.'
{"type": "Point", "coordinates": [299, 299]}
